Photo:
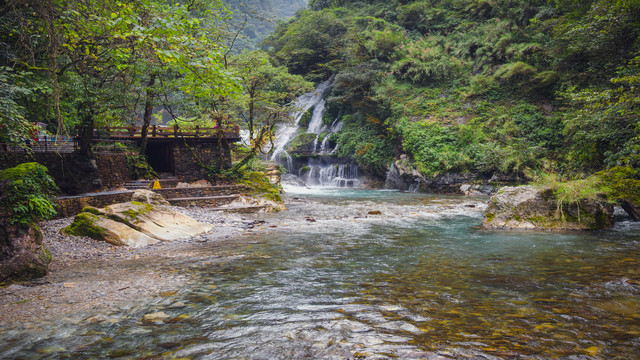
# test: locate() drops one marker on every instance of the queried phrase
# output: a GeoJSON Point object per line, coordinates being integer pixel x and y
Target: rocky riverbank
{"type": "Point", "coordinates": [86, 274]}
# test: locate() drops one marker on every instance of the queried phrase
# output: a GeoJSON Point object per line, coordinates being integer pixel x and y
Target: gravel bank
{"type": "Point", "coordinates": [87, 276]}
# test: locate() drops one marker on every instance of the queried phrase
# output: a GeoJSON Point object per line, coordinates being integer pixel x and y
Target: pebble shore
{"type": "Point", "coordinates": [86, 275]}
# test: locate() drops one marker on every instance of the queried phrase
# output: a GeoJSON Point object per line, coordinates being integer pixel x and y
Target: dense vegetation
{"type": "Point", "coordinates": [80, 65]}
{"type": "Point", "coordinates": [481, 86]}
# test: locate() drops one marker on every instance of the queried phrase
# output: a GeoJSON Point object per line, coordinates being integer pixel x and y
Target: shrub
{"type": "Point", "coordinates": [27, 194]}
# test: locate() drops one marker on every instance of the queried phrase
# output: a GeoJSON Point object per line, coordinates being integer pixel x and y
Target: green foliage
{"type": "Point", "coordinates": [259, 184]}
{"type": "Point", "coordinates": [363, 140]}
{"type": "Point", "coordinates": [536, 128]}
{"type": "Point", "coordinates": [27, 196]}
{"type": "Point", "coordinates": [434, 147]}
{"type": "Point", "coordinates": [621, 183]}
{"type": "Point", "coordinates": [426, 61]}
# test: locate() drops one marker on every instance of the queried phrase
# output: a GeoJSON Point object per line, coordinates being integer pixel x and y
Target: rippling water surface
{"type": "Point", "coordinates": [418, 280]}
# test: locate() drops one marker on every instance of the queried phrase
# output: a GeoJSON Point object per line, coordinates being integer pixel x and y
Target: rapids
{"type": "Point", "coordinates": [353, 274]}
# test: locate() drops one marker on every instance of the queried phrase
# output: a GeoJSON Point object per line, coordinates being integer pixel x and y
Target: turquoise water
{"type": "Point", "coordinates": [419, 281]}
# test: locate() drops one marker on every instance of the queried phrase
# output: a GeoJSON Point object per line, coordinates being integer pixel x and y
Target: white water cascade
{"type": "Point", "coordinates": [286, 133]}
{"type": "Point", "coordinates": [319, 167]}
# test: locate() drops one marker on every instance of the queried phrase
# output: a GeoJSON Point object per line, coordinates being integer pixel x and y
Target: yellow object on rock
{"type": "Point", "coordinates": [156, 184]}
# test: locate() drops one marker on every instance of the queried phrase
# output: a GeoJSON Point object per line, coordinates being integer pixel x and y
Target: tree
{"type": "Point", "coordinates": [267, 99]}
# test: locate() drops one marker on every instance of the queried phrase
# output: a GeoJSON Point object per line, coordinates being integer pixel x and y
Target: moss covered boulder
{"type": "Point", "coordinates": [23, 256]}
{"type": "Point", "coordinates": [136, 224]}
{"type": "Point", "coordinates": [303, 143]}
{"type": "Point", "coordinates": [532, 208]}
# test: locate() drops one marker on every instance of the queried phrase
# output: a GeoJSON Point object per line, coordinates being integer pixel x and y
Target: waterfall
{"type": "Point", "coordinates": [323, 172]}
{"type": "Point", "coordinates": [286, 133]}
{"type": "Point", "coordinates": [319, 167]}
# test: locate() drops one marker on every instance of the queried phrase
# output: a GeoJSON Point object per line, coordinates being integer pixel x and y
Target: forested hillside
{"type": "Point", "coordinates": [256, 19]}
{"type": "Point", "coordinates": [484, 86]}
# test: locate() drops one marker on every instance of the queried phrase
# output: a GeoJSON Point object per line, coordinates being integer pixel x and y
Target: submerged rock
{"type": "Point", "coordinates": [136, 224]}
{"type": "Point", "coordinates": [528, 207]}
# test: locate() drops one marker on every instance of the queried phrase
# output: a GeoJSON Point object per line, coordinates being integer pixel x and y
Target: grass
{"type": "Point", "coordinates": [572, 192]}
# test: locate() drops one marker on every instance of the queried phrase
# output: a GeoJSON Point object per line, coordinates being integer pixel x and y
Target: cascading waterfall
{"type": "Point", "coordinates": [322, 168]}
{"type": "Point", "coordinates": [286, 133]}
{"type": "Point", "coordinates": [322, 172]}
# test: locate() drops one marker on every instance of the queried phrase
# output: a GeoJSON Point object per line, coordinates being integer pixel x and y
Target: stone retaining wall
{"type": "Point", "coordinates": [72, 177]}
{"type": "Point", "coordinates": [187, 159]}
{"type": "Point", "coordinates": [72, 205]}
{"type": "Point", "coordinates": [169, 193]}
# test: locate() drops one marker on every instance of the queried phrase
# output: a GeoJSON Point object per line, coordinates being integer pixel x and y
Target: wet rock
{"type": "Point", "coordinates": [475, 189]}
{"type": "Point", "coordinates": [401, 176]}
{"type": "Point", "coordinates": [311, 219]}
{"type": "Point", "coordinates": [531, 208]}
{"type": "Point", "coordinates": [155, 317]}
{"type": "Point", "coordinates": [292, 180]}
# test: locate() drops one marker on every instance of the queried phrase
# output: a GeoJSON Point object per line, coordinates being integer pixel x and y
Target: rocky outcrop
{"type": "Point", "coordinates": [532, 208]}
{"type": "Point", "coordinates": [22, 254]}
{"type": "Point", "coordinates": [401, 176]}
{"type": "Point", "coordinates": [136, 223]}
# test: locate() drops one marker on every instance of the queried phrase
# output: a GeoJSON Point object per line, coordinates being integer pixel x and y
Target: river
{"type": "Point", "coordinates": [353, 274]}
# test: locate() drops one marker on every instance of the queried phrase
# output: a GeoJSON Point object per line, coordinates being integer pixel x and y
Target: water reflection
{"type": "Point", "coordinates": [420, 281]}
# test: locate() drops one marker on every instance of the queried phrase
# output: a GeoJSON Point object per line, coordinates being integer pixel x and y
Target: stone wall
{"type": "Point", "coordinates": [188, 159]}
{"type": "Point", "coordinates": [171, 193]}
{"type": "Point", "coordinates": [72, 205]}
{"type": "Point", "coordinates": [75, 177]}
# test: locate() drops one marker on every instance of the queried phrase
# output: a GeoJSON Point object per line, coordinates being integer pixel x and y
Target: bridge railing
{"type": "Point", "coordinates": [168, 131]}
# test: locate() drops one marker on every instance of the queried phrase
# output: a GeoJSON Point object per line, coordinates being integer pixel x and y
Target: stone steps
{"type": "Point", "coordinates": [204, 201]}
{"type": "Point", "coordinates": [137, 185]}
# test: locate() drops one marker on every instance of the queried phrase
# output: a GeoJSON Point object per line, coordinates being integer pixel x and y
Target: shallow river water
{"type": "Point", "coordinates": [330, 280]}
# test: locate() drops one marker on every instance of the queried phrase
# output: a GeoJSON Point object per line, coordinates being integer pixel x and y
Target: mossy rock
{"type": "Point", "coordinates": [84, 224]}
{"type": "Point", "coordinates": [92, 210]}
{"type": "Point", "coordinates": [260, 185]}
{"type": "Point", "coordinates": [20, 171]}
{"type": "Point", "coordinates": [303, 142]}
{"type": "Point", "coordinates": [531, 208]}
{"type": "Point", "coordinates": [306, 119]}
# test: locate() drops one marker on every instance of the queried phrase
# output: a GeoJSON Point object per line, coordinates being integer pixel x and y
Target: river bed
{"type": "Point", "coordinates": [353, 274]}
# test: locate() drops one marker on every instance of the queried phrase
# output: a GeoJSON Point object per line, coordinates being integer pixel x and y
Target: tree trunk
{"type": "Point", "coordinates": [148, 110]}
{"type": "Point", "coordinates": [85, 135]}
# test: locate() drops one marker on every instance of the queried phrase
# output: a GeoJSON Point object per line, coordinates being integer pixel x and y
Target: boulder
{"type": "Point", "coordinates": [135, 224]}
{"type": "Point", "coordinates": [157, 221]}
{"type": "Point", "coordinates": [148, 197]}
{"type": "Point", "coordinates": [532, 208]}
{"type": "Point", "coordinates": [475, 190]}
{"type": "Point", "coordinates": [22, 253]}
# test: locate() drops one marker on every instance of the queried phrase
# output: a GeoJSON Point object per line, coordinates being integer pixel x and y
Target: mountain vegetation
{"type": "Point", "coordinates": [506, 87]}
